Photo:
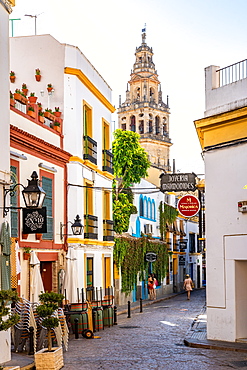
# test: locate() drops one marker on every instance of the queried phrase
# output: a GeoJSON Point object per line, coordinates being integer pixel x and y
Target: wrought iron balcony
{"type": "Point", "coordinates": [107, 161]}
{"type": "Point", "coordinates": [90, 149]}
{"type": "Point", "coordinates": [108, 233]}
{"type": "Point", "coordinates": [90, 227]}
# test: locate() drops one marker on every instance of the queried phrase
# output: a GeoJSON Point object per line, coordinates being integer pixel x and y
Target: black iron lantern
{"type": "Point", "coordinates": [33, 194]}
{"type": "Point", "coordinates": [77, 226]}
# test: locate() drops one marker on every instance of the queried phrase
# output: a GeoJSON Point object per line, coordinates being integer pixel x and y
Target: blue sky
{"type": "Point", "coordinates": [186, 37]}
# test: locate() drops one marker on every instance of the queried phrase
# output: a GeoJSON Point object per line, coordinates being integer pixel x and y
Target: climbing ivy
{"type": "Point", "coordinates": [168, 215]}
{"type": "Point", "coordinates": [129, 257]}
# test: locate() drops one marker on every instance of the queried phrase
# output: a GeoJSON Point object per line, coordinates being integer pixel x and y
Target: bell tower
{"type": "Point", "coordinates": [144, 111]}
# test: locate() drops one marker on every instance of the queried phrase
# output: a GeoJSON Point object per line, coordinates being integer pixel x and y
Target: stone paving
{"type": "Point", "coordinates": [153, 340]}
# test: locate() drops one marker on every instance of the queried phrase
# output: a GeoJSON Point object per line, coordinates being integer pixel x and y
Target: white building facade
{"type": "Point", "coordinates": [222, 134]}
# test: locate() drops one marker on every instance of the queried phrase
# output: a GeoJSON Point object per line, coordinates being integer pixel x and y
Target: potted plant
{"type": "Point", "coordinates": [39, 106]}
{"type": "Point", "coordinates": [7, 319]}
{"type": "Point", "coordinates": [57, 112]}
{"type": "Point", "coordinates": [20, 97]}
{"type": "Point", "coordinates": [26, 252]}
{"type": "Point", "coordinates": [41, 116]}
{"type": "Point", "coordinates": [57, 126]}
{"type": "Point", "coordinates": [12, 100]}
{"type": "Point", "coordinates": [12, 76]}
{"type": "Point", "coordinates": [31, 112]}
{"type": "Point", "coordinates": [46, 310]}
{"type": "Point", "coordinates": [49, 88]}
{"type": "Point", "coordinates": [32, 98]}
{"type": "Point", "coordinates": [24, 89]}
{"type": "Point", "coordinates": [49, 114]}
{"type": "Point", "coordinates": [37, 74]}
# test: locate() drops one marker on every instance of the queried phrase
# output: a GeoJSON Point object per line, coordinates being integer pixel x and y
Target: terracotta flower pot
{"type": "Point", "coordinates": [32, 99]}
{"type": "Point", "coordinates": [38, 236]}
{"type": "Point", "coordinates": [12, 102]}
{"type": "Point", "coordinates": [12, 79]}
{"type": "Point", "coordinates": [57, 128]}
{"type": "Point", "coordinates": [26, 255]}
{"type": "Point", "coordinates": [41, 119]}
{"type": "Point", "coordinates": [49, 89]}
{"type": "Point", "coordinates": [50, 116]}
{"type": "Point", "coordinates": [31, 113]}
{"type": "Point", "coordinates": [25, 91]}
{"type": "Point", "coordinates": [57, 114]}
{"type": "Point", "coordinates": [38, 77]}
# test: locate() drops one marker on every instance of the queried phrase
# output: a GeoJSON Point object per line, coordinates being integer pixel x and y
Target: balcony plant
{"type": "Point", "coordinates": [26, 252]}
{"type": "Point", "coordinates": [57, 112]}
{"type": "Point", "coordinates": [57, 126]}
{"type": "Point", "coordinates": [46, 310]}
{"type": "Point", "coordinates": [20, 96]}
{"type": "Point", "coordinates": [39, 106]}
{"type": "Point", "coordinates": [12, 76]}
{"type": "Point", "coordinates": [49, 114]}
{"type": "Point", "coordinates": [24, 89]}
{"type": "Point", "coordinates": [32, 98]}
{"type": "Point", "coordinates": [37, 74]}
{"type": "Point", "coordinates": [49, 88]}
{"type": "Point", "coordinates": [31, 112]}
{"type": "Point", "coordinates": [41, 116]}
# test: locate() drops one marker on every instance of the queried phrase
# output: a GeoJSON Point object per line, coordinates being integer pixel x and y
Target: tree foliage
{"type": "Point", "coordinates": [130, 160]}
{"type": "Point", "coordinates": [7, 296]}
{"type": "Point", "coordinates": [130, 163]}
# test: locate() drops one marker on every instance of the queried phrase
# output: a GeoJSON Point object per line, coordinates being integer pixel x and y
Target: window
{"type": "Point", "coordinates": [89, 278]}
{"type": "Point", "coordinates": [141, 207]}
{"type": "Point", "coordinates": [133, 124]}
{"type": "Point", "coordinates": [14, 202]}
{"type": "Point", "coordinates": [90, 221]}
{"type": "Point", "coordinates": [87, 120]}
{"type": "Point", "coordinates": [89, 145]}
{"type": "Point", "coordinates": [157, 125]}
{"type": "Point", "coordinates": [141, 127]}
{"type": "Point", "coordinates": [192, 244]}
{"type": "Point", "coordinates": [107, 156]}
{"type": "Point", "coordinates": [47, 185]}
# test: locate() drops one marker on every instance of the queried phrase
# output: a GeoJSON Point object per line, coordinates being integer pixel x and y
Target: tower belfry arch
{"type": "Point", "coordinates": [144, 110]}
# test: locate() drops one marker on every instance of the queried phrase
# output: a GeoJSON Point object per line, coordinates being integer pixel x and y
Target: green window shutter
{"type": "Point", "coordinates": [14, 203]}
{"type": "Point", "coordinates": [47, 186]}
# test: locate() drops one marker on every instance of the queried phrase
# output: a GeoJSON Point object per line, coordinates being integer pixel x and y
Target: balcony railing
{"type": "Point", "coordinates": [90, 149]}
{"type": "Point", "coordinates": [90, 227]}
{"type": "Point", "coordinates": [108, 233]}
{"type": "Point", "coordinates": [232, 73]}
{"type": "Point", "coordinates": [107, 161]}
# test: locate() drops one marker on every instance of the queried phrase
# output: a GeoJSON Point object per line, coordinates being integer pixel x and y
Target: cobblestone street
{"type": "Point", "coordinates": [151, 340]}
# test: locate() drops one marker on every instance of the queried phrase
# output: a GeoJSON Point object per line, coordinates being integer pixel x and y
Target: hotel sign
{"type": "Point", "coordinates": [188, 205]}
{"type": "Point", "coordinates": [177, 182]}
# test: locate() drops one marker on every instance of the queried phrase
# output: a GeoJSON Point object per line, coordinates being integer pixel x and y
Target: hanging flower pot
{"type": "Point", "coordinates": [57, 112]}
{"type": "Point", "coordinates": [37, 74]}
{"type": "Point", "coordinates": [32, 98]}
{"type": "Point", "coordinates": [49, 88]}
{"type": "Point", "coordinates": [24, 89]}
{"type": "Point", "coordinates": [12, 76]}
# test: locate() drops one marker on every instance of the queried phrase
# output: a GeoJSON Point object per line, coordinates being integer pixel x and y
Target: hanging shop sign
{"type": "Point", "coordinates": [177, 182]}
{"type": "Point", "coordinates": [181, 261]}
{"type": "Point", "coordinates": [150, 257]}
{"type": "Point", "coordinates": [188, 205]}
{"type": "Point", "coordinates": [34, 221]}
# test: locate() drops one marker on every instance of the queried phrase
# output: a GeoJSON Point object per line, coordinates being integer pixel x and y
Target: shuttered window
{"type": "Point", "coordinates": [47, 186]}
{"type": "Point", "coordinates": [14, 203]}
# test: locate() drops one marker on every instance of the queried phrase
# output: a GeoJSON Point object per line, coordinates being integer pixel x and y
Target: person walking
{"type": "Point", "coordinates": [155, 283]}
{"type": "Point", "coordinates": [188, 285]}
{"type": "Point", "coordinates": [150, 287]}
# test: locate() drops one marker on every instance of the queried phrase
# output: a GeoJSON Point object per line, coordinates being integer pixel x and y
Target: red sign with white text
{"type": "Point", "coordinates": [188, 206]}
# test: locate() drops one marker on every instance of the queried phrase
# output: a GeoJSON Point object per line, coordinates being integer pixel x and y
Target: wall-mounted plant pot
{"type": "Point", "coordinates": [50, 116]}
{"type": "Point", "coordinates": [38, 236]}
{"type": "Point", "coordinates": [26, 256]}
{"type": "Point", "coordinates": [57, 114]}
{"type": "Point", "coordinates": [32, 99]}
{"type": "Point", "coordinates": [41, 119]}
{"type": "Point", "coordinates": [24, 236]}
{"type": "Point", "coordinates": [38, 77]}
{"type": "Point", "coordinates": [25, 91]}
{"type": "Point", "coordinates": [12, 79]}
{"type": "Point", "coordinates": [31, 113]}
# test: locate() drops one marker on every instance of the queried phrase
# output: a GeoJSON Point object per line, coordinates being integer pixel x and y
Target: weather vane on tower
{"type": "Point", "coordinates": [144, 34]}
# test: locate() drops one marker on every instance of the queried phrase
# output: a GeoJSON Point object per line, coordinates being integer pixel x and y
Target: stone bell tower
{"type": "Point", "coordinates": [144, 111]}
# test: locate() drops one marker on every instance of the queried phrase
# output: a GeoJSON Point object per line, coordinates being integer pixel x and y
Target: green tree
{"type": "Point", "coordinates": [130, 162]}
